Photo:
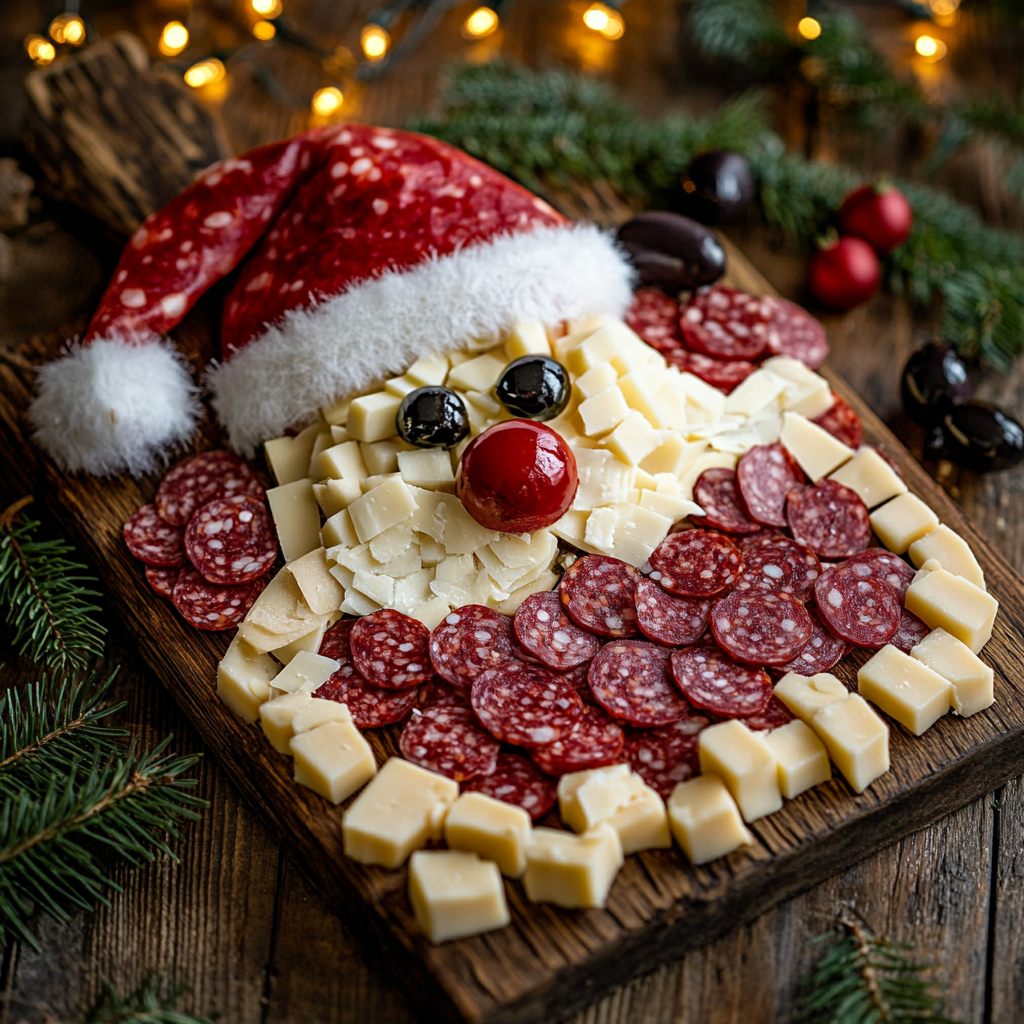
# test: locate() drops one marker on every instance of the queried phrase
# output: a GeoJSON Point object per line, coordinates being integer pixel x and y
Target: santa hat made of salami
{"type": "Point", "coordinates": [354, 250]}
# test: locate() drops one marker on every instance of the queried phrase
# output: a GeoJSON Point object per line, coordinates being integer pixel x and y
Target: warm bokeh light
{"type": "Point", "coordinates": [267, 8]}
{"type": "Point", "coordinates": [930, 48]}
{"type": "Point", "coordinates": [39, 49]}
{"type": "Point", "coordinates": [206, 72]}
{"type": "Point", "coordinates": [482, 22]}
{"type": "Point", "coordinates": [615, 27]}
{"type": "Point", "coordinates": [173, 39]}
{"type": "Point", "coordinates": [264, 30]}
{"type": "Point", "coordinates": [375, 42]}
{"type": "Point", "coordinates": [944, 8]}
{"type": "Point", "coordinates": [809, 28]}
{"type": "Point", "coordinates": [68, 28]}
{"type": "Point", "coordinates": [327, 101]}
{"type": "Point", "coordinates": [597, 17]}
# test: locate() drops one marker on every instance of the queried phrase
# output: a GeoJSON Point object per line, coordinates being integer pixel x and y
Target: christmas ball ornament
{"type": "Point", "coordinates": [933, 381]}
{"type": "Point", "coordinates": [718, 187]}
{"type": "Point", "coordinates": [672, 252]}
{"type": "Point", "coordinates": [535, 387]}
{"type": "Point", "coordinates": [981, 437]}
{"type": "Point", "coordinates": [881, 216]}
{"type": "Point", "coordinates": [517, 476]}
{"type": "Point", "coordinates": [432, 417]}
{"type": "Point", "coordinates": [844, 274]}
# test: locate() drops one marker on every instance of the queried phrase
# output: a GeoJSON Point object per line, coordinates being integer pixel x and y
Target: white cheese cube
{"type": "Point", "coordinates": [430, 468]}
{"type": "Point", "coordinates": [339, 530]}
{"type": "Point", "coordinates": [603, 479]}
{"type": "Point", "coordinates": [673, 456]}
{"type": "Point", "coordinates": [600, 530]}
{"type": "Point", "coordinates": [243, 679]}
{"type": "Point", "coordinates": [455, 894]}
{"type": "Point", "coordinates": [900, 522]}
{"type": "Point", "coordinates": [856, 738]}
{"type": "Point", "coordinates": [603, 412]}
{"type": "Point", "coordinates": [370, 482]}
{"type": "Point", "coordinates": [307, 671]}
{"type": "Point", "coordinates": [905, 689]}
{"type": "Point", "coordinates": [806, 392]}
{"type": "Point", "coordinates": [337, 414]}
{"type": "Point", "coordinates": [813, 447]}
{"type": "Point", "coordinates": [277, 718]}
{"type": "Point", "coordinates": [340, 434]}
{"type": "Point", "coordinates": [702, 396]}
{"type": "Point", "coordinates": [401, 386]}
{"type": "Point", "coordinates": [760, 390]}
{"type": "Point", "coordinates": [402, 565]}
{"type": "Point", "coordinates": [527, 338]}
{"type": "Point", "coordinates": [319, 711]}
{"type": "Point", "coordinates": [951, 551]}
{"type": "Point", "coordinates": [945, 601]}
{"type": "Point", "coordinates": [296, 518]}
{"type": "Point", "coordinates": [413, 590]}
{"type": "Point", "coordinates": [545, 581]}
{"type": "Point", "coordinates": [632, 358]}
{"type": "Point", "coordinates": [382, 456]}
{"type": "Point", "coordinates": [381, 508]}
{"type": "Point", "coordinates": [493, 829]}
{"type": "Point", "coordinates": [871, 477]}
{"type": "Point", "coordinates": [431, 552]}
{"type": "Point", "coordinates": [289, 457]}
{"type": "Point", "coordinates": [309, 642]}
{"type": "Point", "coordinates": [638, 531]}
{"type": "Point", "coordinates": [572, 527]}
{"type": "Point", "coordinates": [972, 680]}
{"type": "Point", "coordinates": [709, 460]}
{"type": "Point", "coordinates": [332, 759]}
{"type": "Point", "coordinates": [633, 439]}
{"type": "Point", "coordinates": [282, 610]}
{"type": "Point", "coordinates": [354, 559]}
{"type": "Point", "coordinates": [746, 765]}
{"type": "Point", "coordinates": [340, 462]}
{"type": "Point", "coordinates": [639, 388]}
{"type": "Point", "coordinates": [596, 379]}
{"type": "Point", "coordinates": [377, 587]}
{"type": "Point", "coordinates": [339, 495]}
{"type": "Point", "coordinates": [391, 543]}
{"type": "Point", "coordinates": [372, 417]}
{"type": "Point", "coordinates": [600, 346]}
{"type": "Point", "coordinates": [327, 504]}
{"type": "Point", "coordinates": [800, 757]}
{"type": "Point", "coordinates": [671, 507]}
{"type": "Point", "coordinates": [479, 374]}
{"type": "Point", "coordinates": [805, 696]}
{"type": "Point", "coordinates": [264, 641]}
{"type": "Point", "coordinates": [431, 612]}
{"type": "Point", "coordinates": [429, 370]}
{"type": "Point", "coordinates": [674, 410]}
{"type": "Point", "coordinates": [705, 820]}
{"type": "Point", "coordinates": [461, 533]}
{"type": "Point", "coordinates": [572, 870]}
{"type": "Point", "coordinates": [318, 586]}
{"type": "Point", "coordinates": [356, 603]}
{"type": "Point", "coordinates": [323, 440]}
{"type": "Point", "coordinates": [402, 809]}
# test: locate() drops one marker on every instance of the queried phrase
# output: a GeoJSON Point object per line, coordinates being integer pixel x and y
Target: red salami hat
{"type": "Point", "coordinates": [355, 251]}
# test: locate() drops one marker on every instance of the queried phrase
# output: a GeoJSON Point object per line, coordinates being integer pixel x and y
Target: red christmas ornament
{"type": "Point", "coordinates": [844, 274]}
{"type": "Point", "coordinates": [517, 476]}
{"type": "Point", "coordinates": [881, 216]}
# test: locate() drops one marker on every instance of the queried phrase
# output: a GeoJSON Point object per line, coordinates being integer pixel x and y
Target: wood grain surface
{"type": "Point", "coordinates": [549, 962]}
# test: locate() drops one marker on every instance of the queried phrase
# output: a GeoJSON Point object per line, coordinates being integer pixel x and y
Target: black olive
{"type": "Point", "coordinates": [981, 437]}
{"type": "Point", "coordinates": [934, 443]}
{"type": "Point", "coordinates": [672, 252]}
{"type": "Point", "coordinates": [433, 417]}
{"type": "Point", "coordinates": [718, 187]}
{"type": "Point", "coordinates": [933, 381]}
{"type": "Point", "coordinates": [534, 387]}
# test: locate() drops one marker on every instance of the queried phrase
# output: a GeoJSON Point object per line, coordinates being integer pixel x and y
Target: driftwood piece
{"type": "Point", "coordinates": [113, 136]}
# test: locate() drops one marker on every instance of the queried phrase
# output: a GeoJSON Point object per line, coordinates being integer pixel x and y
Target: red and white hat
{"type": "Point", "coordinates": [358, 250]}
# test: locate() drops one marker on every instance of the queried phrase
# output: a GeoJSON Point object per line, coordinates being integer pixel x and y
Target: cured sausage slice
{"type": "Point", "coordinates": [153, 540]}
{"type": "Point", "coordinates": [518, 781]}
{"type": "Point", "coordinates": [546, 631]}
{"type": "Point", "coordinates": [696, 563]}
{"type": "Point", "coordinates": [884, 565]}
{"type": "Point", "coordinates": [861, 610]}
{"type": "Point", "coordinates": [599, 594]}
{"type": "Point", "coordinates": [231, 540]}
{"type": "Point", "coordinates": [595, 741]}
{"type": "Point", "coordinates": [909, 633]}
{"type": "Point", "coordinates": [162, 580]}
{"type": "Point", "coordinates": [630, 680]}
{"type": "Point", "coordinates": [711, 680]}
{"type": "Point", "coordinates": [822, 652]}
{"type": "Point", "coordinates": [440, 693]}
{"type": "Point", "coordinates": [792, 331]}
{"type": "Point", "coordinates": [391, 649]}
{"type": "Point", "coordinates": [201, 478]}
{"type": "Point", "coordinates": [718, 495]}
{"type": "Point", "coordinates": [655, 317]}
{"type": "Point", "coordinates": [668, 619]}
{"type": "Point", "coordinates": [828, 518]}
{"type": "Point", "coordinates": [778, 565]}
{"type": "Point", "coordinates": [526, 704]}
{"type": "Point", "coordinates": [724, 374]}
{"type": "Point", "coordinates": [764, 476]}
{"type": "Point", "coordinates": [760, 628]}
{"type": "Point", "coordinates": [666, 756]}
{"type": "Point", "coordinates": [774, 715]}
{"type": "Point", "coordinates": [470, 641]}
{"type": "Point", "coordinates": [213, 606]}
{"type": "Point", "coordinates": [448, 741]}
{"type": "Point", "coordinates": [725, 323]}
{"type": "Point", "coordinates": [842, 422]}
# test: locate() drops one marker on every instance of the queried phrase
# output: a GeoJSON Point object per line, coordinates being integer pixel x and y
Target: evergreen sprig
{"type": "Point", "coordinates": [146, 1005]}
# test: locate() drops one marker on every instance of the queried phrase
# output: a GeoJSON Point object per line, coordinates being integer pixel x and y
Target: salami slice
{"type": "Point", "coordinates": [213, 606]}
{"type": "Point", "coordinates": [883, 565]}
{"type": "Point", "coordinates": [201, 478]}
{"type": "Point", "coordinates": [860, 610]}
{"type": "Point", "coordinates": [777, 565]}
{"type": "Point", "coordinates": [546, 631]}
{"type": "Point", "coordinates": [439, 693]}
{"type": "Point", "coordinates": [448, 741]}
{"type": "Point", "coordinates": [391, 649]}
{"type": "Point", "coordinates": [669, 619]}
{"type": "Point", "coordinates": [655, 317]}
{"type": "Point", "coordinates": [718, 495]}
{"type": "Point", "coordinates": [231, 540]}
{"type": "Point", "coordinates": [828, 518]}
{"type": "Point", "coordinates": [711, 680]}
{"type": "Point", "coordinates": [760, 628]}
{"type": "Point", "coordinates": [595, 741]}
{"type": "Point", "coordinates": [764, 476]}
{"type": "Point", "coordinates": [696, 563]}
{"type": "Point", "coordinates": [630, 680]}
{"type": "Point", "coordinates": [725, 323]}
{"type": "Point", "coordinates": [909, 633]}
{"type": "Point", "coordinates": [841, 422]}
{"type": "Point", "coordinates": [599, 594]}
{"type": "Point", "coordinates": [792, 331]}
{"type": "Point", "coordinates": [517, 781]}
{"type": "Point", "coordinates": [724, 374]}
{"type": "Point", "coordinates": [154, 541]}
{"type": "Point", "coordinates": [666, 756]}
{"type": "Point", "coordinates": [774, 715]}
{"type": "Point", "coordinates": [822, 652]}
{"type": "Point", "coordinates": [525, 704]}
{"type": "Point", "coordinates": [470, 641]}
{"type": "Point", "coordinates": [162, 580]}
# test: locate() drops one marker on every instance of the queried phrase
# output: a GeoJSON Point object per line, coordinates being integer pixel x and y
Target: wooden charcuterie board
{"type": "Point", "coordinates": [548, 962]}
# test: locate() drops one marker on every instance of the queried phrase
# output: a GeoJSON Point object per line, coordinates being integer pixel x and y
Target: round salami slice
{"type": "Point", "coordinates": [724, 374]}
{"type": "Point", "coordinates": [792, 331]}
{"type": "Point", "coordinates": [860, 610]}
{"type": "Point", "coordinates": [599, 594]}
{"type": "Point", "coordinates": [822, 652]}
{"type": "Point", "coordinates": [760, 628]}
{"type": "Point", "coordinates": [668, 619]}
{"type": "Point", "coordinates": [717, 493]}
{"type": "Point", "coordinates": [666, 756]}
{"type": "Point", "coordinates": [391, 649]}
{"type": "Point", "coordinates": [764, 476]}
{"type": "Point", "coordinates": [778, 565]}
{"type": "Point", "coordinates": [213, 606]}
{"type": "Point", "coordinates": [725, 323]}
{"type": "Point", "coordinates": [546, 631]}
{"type": "Point", "coordinates": [201, 478]}
{"type": "Point", "coordinates": [448, 741]}
{"type": "Point", "coordinates": [154, 541]}
{"type": "Point", "coordinates": [630, 680]}
{"type": "Point", "coordinates": [231, 540]}
{"type": "Point", "coordinates": [909, 633]}
{"type": "Point", "coordinates": [696, 563]}
{"type": "Point", "coordinates": [773, 716]}
{"type": "Point", "coordinates": [469, 641]}
{"type": "Point", "coordinates": [884, 565]}
{"type": "Point", "coordinates": [439, 693]}
{"type": "Point", "coordinates": [712, 681]}
{"type": "Point", "coordinates": [595, 741]}
{"type": "Point", "coordinates": [162, 580]}
{"type": "Point", "coordinates": [828, 518]}
{"type": "Point", "coordinates": [525, 704]}
{"type": "Point", "coordinates": [517, 780]}
{"type": "Point", "coordinates": [655, 317]}
{"type": "Point", "coordinates": [841, 422]}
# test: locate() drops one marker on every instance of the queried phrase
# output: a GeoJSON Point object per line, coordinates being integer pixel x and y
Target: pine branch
{"type": "Point", "coordinates": [145, 1005]}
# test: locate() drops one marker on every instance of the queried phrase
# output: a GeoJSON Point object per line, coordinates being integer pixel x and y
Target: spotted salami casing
{"type": "Point", "coordinates": [712, 681]}
{"type": "Point", "coordinates": [792, 331]}
{"type": "Point", "coordinates": [776, 714]}
{"type": "Point", "coordinates": [764, 476]}
{"type": "Point", "coordinates": [821, 652]}
{"type": "Point", "coordinates": [231, 540]}
{"type": "Point", "coordinates": [884, 565]}
{"type": "Point", "coordinates": [842, 422]}
{"type": "Point", "coordinates": [469, 641]}
{"type": "Point", "coordinates": [448, 741]}
{"type": "Point", "coordinates": [599, 594]}
{"type": "Point", "coordinates": [760, 628]}
{"type": "Point", "coordinates": [391, 649]}
{"type": "Point", "coordinates": [828, 518]}
{"type": "Point", "coordinates": [546, 631]}
{"type": "Point", "coordinates": [153, 540]}
{"type": "Point", "coordinates": [517, 780]}
{"type": "Point", "coordinates": [724, 374]}
{"type": "Point", "coordinates": [696, 563]}
{"type": "Point", "coordinates": [630, 680]}
{"type": "Point", "coordinates": [162, 580]}
{"type": "Point", "coordinates": [862, 610]}
{"type": "Point", "coordinates": [668, 755]}
{"type": "Point", "coordinates": [718, 495]}
{"type": "Point", "coordinates": [525, 704]}
{"type": "Point", "coordinates": [655, 317]}
{"type": "Point", "coordinates": [667, 618]}
{"type": "Point", "coordinates": [725, 323]}
{"type": "Point", "coordinates": [909, 633]}
{"type": "Point", "coordinates": [595, 741]}
{"type": "Point", "coordinates": [213, 606]}
{"type": "Point", "coordinates": [203, 478]}
{"type": "Point", "coordinates": [777, 565]}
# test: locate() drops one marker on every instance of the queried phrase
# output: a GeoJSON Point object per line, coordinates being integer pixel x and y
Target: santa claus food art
{"type": "Point", "coordinates": [561, 535]}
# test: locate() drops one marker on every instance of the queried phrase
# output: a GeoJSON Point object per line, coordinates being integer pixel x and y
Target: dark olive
{"type": "Point", "coordinates": [718, 187]}
{"type": "Point", "coordinates": [534, 387]}
{"type": "Point", "coordinates": [672, 252]}
{"type": "Point", "coordinates": [981, 437]}
{"type": "Point", "coordinates": [933, 381]}
{"type": "Point", "coordinates": [934, 443]}
{"type": "Point", "coordinates": [432, 417]}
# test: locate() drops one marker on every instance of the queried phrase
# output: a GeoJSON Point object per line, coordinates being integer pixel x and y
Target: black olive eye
{"type": "Point", "coordinates": [933, 381]}
{"type": "Point", "coordinates": [981, 437]}
{"type": "Point", "coordinates": [534, 387]}
{"type": "Point", "coordinates": [433, 417]}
